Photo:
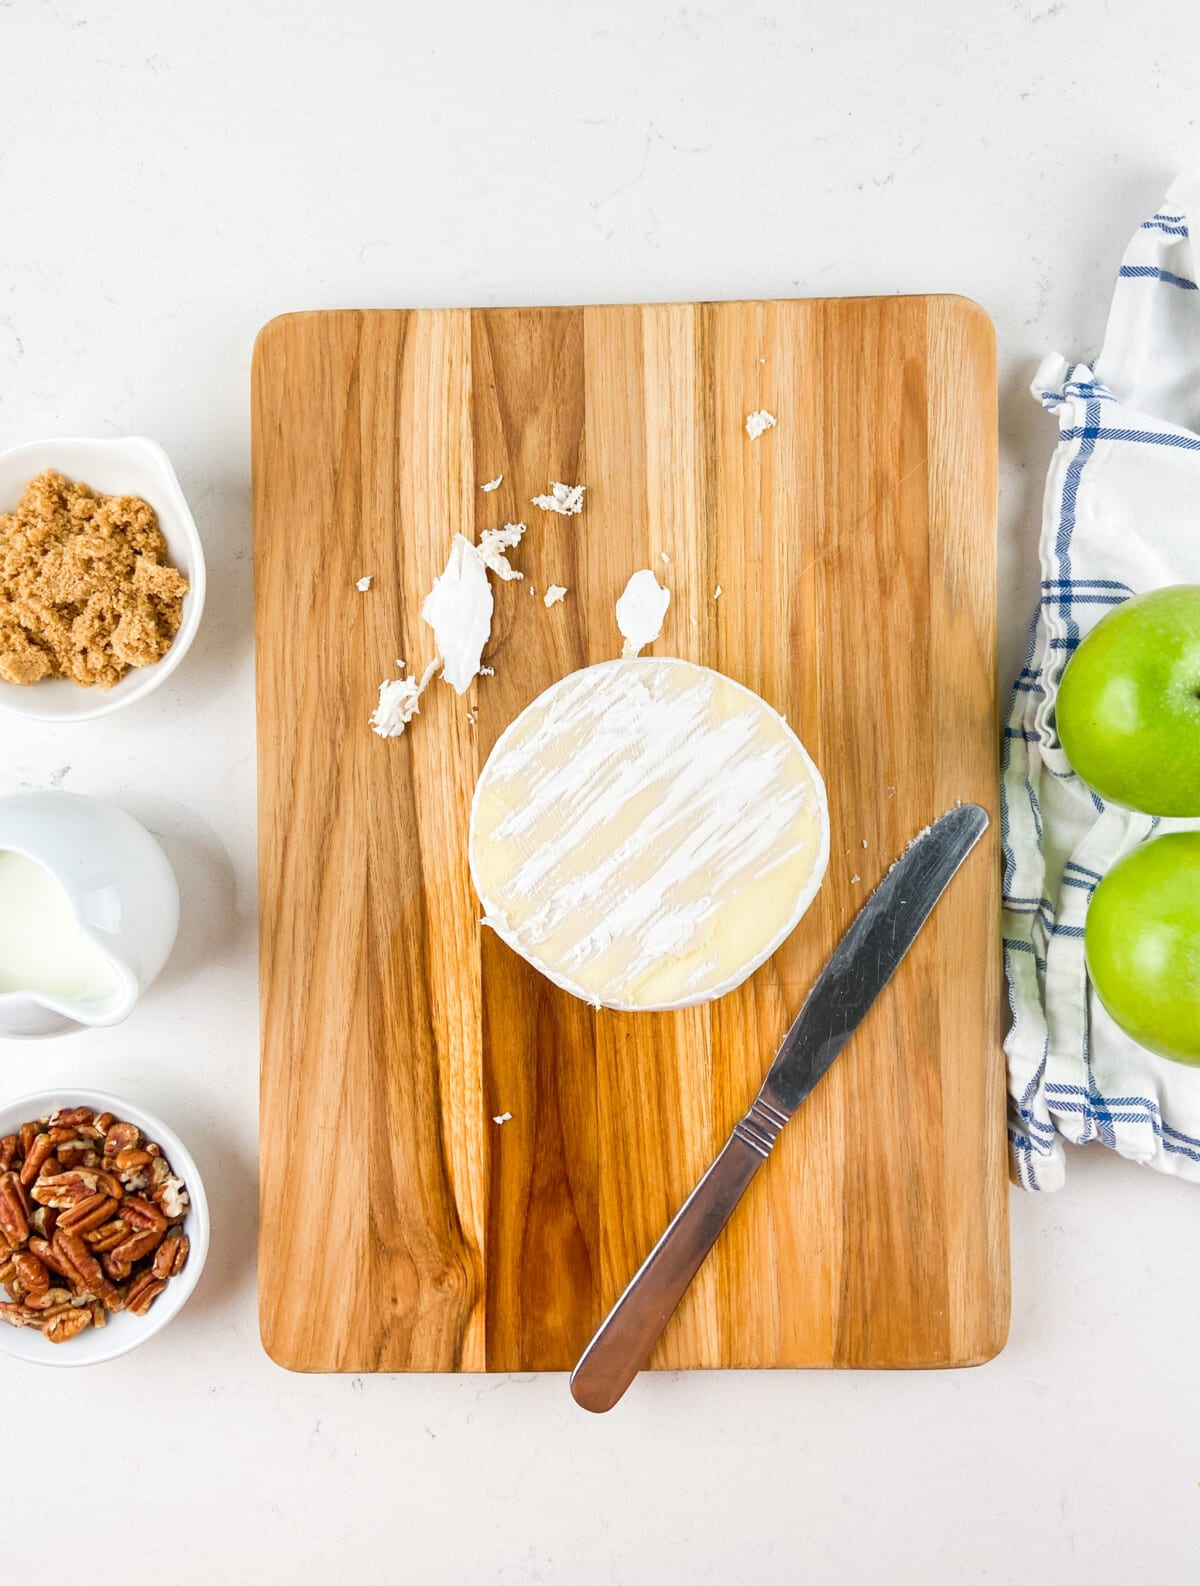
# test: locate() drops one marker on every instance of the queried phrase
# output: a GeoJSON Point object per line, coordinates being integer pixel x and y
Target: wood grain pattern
{"type": "Point", "coordinates": [854, 544]}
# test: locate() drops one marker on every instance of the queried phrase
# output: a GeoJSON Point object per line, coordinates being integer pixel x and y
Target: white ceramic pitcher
{"type": "Point", "coordinates": [121, 891]}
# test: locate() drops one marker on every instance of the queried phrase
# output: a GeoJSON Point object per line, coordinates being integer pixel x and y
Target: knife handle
{"type": "Point", "coordinates": [623, 1343]}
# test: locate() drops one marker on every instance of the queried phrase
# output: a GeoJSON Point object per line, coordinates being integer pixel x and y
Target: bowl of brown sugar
{"type": "Point", "coordinates": [101, 576]}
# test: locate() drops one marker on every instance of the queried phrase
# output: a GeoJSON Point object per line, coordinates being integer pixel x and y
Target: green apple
{"type": "Point", "coordinates": [1142, 941]}
{"type": "Point", "coordinates": [1129, 704]}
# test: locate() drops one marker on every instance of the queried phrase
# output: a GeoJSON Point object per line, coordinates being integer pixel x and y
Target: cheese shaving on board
{"type": "Point", "coordinates": [459, 610]}
{"type": "Point", "coordinates": [554, 594]}
{"type": "Point", "coordinates": [640, 611]}
{"type": "Point", "coordinates": [399, 699]}
{"type": "Point", "coordinates": [492, 545]}
{"type": "Point", "coordinates": [364, 583]}
{"type": "Point", "coordinates": [564, 499]}
{"type": "Point", "coordinates": [758, 423]}
{"type": "Point", "coordinates": [493, 484]}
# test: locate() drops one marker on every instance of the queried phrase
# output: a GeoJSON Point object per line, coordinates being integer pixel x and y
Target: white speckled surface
{"type": "Point", "coordinates": [171, 177]}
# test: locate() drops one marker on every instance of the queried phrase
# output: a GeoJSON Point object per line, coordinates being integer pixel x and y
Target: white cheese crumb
{"type": "Point", "coordinates": [365, 583]}
{"type": "Point", "coordinates": [665, 557]}
{"type": "Point", "coordinates": [459, 610]}
{"type": "Point", "coordinates": [566, 500]}
{"type": "Point", "coordinates": [554, 594]}
{"type": "Point", "coordinates": [757, 423]}
{"type": "Point", "coordinates": [493, 484]}
{"type": "Point", "coordinates": [532, 590]}
{"type": "Point", "coordinates": [487, 671]}
{"type": "Point", "coordinates": [854, 880]}
{"type": "Point", "coordinates": [492, 545]}
{"type": "Point", "coordinates": [398, 701]}
{"type": "Point", "coordinates": [718, 592]}
{"type": "Point", "coordinates": [864, 842]}
{"type": "Point", "coordinates": [640, 611]}
{"type": "Point", "coordinates": [471, 717]}
{"type": "Point", "coordinates": [502, 1117]}
{"type": "Point", "coordinates": [762, 360]}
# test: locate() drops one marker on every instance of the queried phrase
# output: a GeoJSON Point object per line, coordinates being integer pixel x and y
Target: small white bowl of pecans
{"type": "Point", "coordinates": [103, 1227]}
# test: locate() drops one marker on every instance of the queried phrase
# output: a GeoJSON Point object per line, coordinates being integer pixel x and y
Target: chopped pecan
{"type": "Point", "coordinates": [121, 1137]}
{"type": "Point", "coordinates": [42, 1220]}
{"type": "Point", "coordinates": [68, 1324]}
{"type": "Point", "coordinates": [31, 1271]}
{"type": "Point", "coordinates": [131, 1162]}
{"type": "Point", "coordinates": [19, 1316]}
{"type": "Point", "coordinates": [143, 1292]}
{"type": "Point", "coordinates": [77, 1153]}
{"type": "Point", "coordinates": [84, 1271]}
{"type": "Point", "coordinates": [104, 1121]}
{"type": "Point", "coordinates": [99, 1315]}
{"type": "Point", "coordinates": [171, 1256]}
{"type": "Point", "coordinates": [26, 1135]}
{"type": "Point", "coordinates": [8, 1273]}
{"type": "Point", "coordinates": [119, 1261]}
{"type": "Point", "coordinates": [8, 1150]}
{"type": "Point", "coordinates": [87, 1214]}
{"type": "Point", "coordinates": [72, 1117]}
{"type": "Point", "coordinates": [108, 1237]}
{"type": "Point", "coordinates": [13, 1218]}
{"type": "Point", "coordinates": [139, 1213]}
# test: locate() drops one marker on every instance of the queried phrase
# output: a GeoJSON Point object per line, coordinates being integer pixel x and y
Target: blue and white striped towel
{"type": "Point", "coordinates": [1121, 515]}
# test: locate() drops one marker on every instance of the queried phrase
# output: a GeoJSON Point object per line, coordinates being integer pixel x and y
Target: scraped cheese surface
{"type": "Point", "coordinates": [647, 832]}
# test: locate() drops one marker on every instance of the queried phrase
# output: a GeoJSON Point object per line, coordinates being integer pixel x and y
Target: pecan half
{"type": "Point", "coordinates": [171, 1256]}
{"type": "Point", "coordinates": [8, 1150]}
{"type": "Point", "coordinates": [84, 1271]}
{"type": "Point", "coordinates": [31, 1271]}
{"type": "Point", "coordinates": [87, 1214]}
{"type": "Point", "coordinates": [26, 1135]}
{"type": "Point", "coordinates": [37, 1154]}
{"type": "Point", "coordinates": [44, 1251]}
{"type": "Point", "coordinates": [119, 1262]}
{"type": "Point", "coordinates": [108, 1237]}
{"type": "Point", "coordinates": [13, 1219]}
{"type": "Point", "coordinates": [143, 1292]}
{"type": "Point", "coordinates": [48, 1299]}
{"type": "Point", "coordinates": [68, 1324]}
{"type": "Point", "coordinates": [139, 1213]}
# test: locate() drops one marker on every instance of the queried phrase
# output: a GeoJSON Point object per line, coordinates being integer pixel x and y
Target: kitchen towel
{"type": "Point", "coordinates": [1121, 515]}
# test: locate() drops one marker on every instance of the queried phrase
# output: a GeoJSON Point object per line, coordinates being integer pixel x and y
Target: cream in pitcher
{"type": "Point", "coordinates": [88, 913]}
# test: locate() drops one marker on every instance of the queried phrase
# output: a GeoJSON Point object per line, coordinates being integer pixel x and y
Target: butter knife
{"type": "Point", "coordinates": [862, 964]}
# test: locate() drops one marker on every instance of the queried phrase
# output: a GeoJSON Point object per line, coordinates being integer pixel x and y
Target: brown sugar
{"type": "Point", "coordinates": [86, 590]}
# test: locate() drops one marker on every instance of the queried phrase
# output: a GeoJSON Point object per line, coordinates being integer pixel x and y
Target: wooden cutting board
{"type": "Point", "coordinates": [854, 545]}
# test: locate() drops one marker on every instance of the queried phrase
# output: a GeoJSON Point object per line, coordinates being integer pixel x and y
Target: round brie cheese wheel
{"type": "Point", "coordinates": [647, 832]}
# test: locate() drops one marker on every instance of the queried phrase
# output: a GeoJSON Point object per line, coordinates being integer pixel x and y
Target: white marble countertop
{"type": "Point", "coordinates": [171, 177]}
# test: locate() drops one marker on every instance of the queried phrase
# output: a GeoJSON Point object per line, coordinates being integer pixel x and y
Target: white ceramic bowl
{"type": "Point", "coordinates": [131, 466]}
{"type": "Point", "coordinates": [124, 1331]}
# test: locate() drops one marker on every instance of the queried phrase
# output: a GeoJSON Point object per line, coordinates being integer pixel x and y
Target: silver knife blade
{"type": "Point", "coordinates": [869, 954]}
{"type": "Point", "coordinates": [863, 963]}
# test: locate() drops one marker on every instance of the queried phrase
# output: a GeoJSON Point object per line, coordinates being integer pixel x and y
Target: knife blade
{"type": "Point", "coordinates": [862, 964]}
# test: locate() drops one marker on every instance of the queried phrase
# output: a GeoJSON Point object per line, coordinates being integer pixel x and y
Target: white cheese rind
{"type": "Point", "coordinates": [646, 833]}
